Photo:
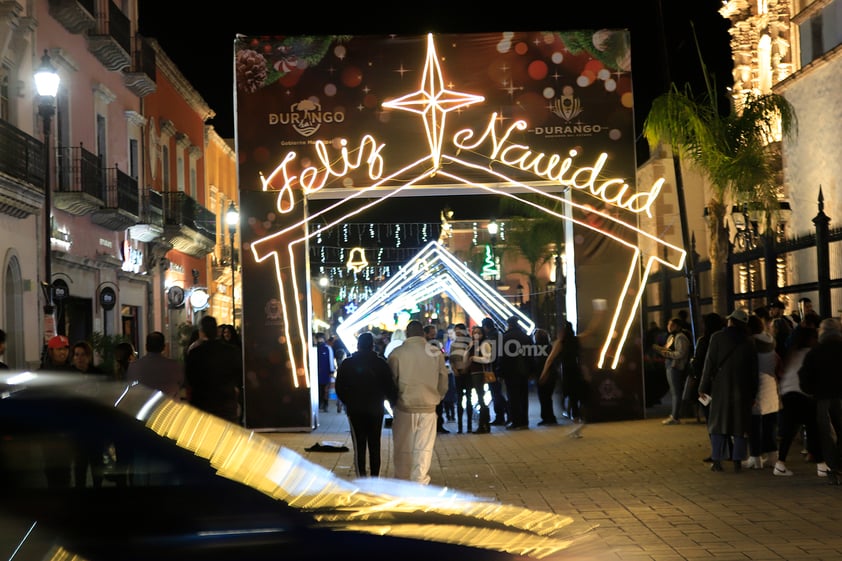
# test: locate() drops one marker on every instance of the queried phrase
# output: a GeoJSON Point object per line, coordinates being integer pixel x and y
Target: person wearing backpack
{"type": "Point", "coordinates": [676, 352]}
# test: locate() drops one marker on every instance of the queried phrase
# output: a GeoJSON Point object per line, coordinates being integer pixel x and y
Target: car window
{"type": "Point", "coordinates": [84, 445]}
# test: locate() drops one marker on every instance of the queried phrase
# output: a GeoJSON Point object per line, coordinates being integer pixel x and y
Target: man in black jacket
{"type": "Point", "coordinates": [363, 382]}
{"type": "Point", "coordinates": [515, 366]}
{"type": "Point", "coordinates": [214, 373]}
{"type": "Point", "coordinates": [819, 376]}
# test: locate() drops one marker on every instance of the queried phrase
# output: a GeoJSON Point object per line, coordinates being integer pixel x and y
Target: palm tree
{"type": "Point", "coordinates": [738, 153]}
{"type": "Point", "coordinates": [533, 239]}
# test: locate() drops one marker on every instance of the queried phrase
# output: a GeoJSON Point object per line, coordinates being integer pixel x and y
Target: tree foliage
{"type": "Point", "coordinates": [736, 150]}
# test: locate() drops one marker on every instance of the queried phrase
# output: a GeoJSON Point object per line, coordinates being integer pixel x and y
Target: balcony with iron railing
{"type": "Point", "coordinates": [81, 181]}
{"type": "Point", "coordinates": [76, 16]}
{"type": "Point", "coordinates": [22, 160]}
{"type": "Point", "coordinates": [151, 224]}
{"type": "Point", "coordinates": [140, 77]}
{"type": "Point", "coordinates": [121, 208]}
{"type": "Point", "coordinates": [110, 39]}
{"type": "Point", "coordinates": [188, 226]}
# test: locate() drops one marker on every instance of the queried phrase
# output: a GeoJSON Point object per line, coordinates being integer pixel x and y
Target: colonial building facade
{"type": "Point", "coordinates": [132, 210]}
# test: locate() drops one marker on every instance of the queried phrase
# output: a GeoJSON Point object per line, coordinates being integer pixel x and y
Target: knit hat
{"type": "Point", "coordinates": [58, 342]}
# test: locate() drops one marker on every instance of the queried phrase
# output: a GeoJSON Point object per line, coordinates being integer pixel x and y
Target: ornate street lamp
{"type": "Point", "coordinates": [46, 84]}
{"type": "Point", "coordinates": [232, 218]}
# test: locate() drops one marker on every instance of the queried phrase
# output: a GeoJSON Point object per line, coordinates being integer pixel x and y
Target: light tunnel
{"type": "Point", "coordinates": [433, 270]}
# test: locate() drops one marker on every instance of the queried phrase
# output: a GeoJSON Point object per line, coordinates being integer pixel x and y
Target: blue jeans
{"type": "Point", "coordinates": [720, 444]}
{"type": "Point", "coordinates": [675, 379]}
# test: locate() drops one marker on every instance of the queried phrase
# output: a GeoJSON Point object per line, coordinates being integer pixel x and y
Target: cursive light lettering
{"type": "Point", "coordinates": [614, 191]}
{"type": "Point", "coordinates": [314, 178]}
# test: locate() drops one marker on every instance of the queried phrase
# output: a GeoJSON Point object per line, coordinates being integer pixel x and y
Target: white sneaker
{"type": "Point", "coordinates": [670, 421]}
{"type": "Point", "coordinates": [822, 470]}
{"type": "Point", "coordinates": [753, 462]}
{"type": "Point", "coordinates": [780, 469]}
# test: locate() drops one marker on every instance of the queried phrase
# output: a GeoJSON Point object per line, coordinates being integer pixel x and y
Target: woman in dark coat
{"type": "Point", "coordinates": [711, 323]}
{"type": "Point", "coordinates": [730, 378]}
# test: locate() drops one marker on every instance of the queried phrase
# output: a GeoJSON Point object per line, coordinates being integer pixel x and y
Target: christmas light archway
{"type": "Point", "coordinates": [433, 101]}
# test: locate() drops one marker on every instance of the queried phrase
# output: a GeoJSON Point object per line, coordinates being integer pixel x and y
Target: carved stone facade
{"type": "Point", "coordinates": [760, 43]}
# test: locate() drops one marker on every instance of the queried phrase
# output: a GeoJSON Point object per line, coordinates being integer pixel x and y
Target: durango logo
{"type": "Point", "coordinates": [306, 117]}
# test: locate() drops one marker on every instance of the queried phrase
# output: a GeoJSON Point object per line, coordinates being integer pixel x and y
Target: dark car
{"type": "Point", "coordinates": [106, 471]}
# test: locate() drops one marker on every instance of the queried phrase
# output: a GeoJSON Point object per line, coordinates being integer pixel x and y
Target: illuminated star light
{"type": "Point", "coordinates": [433, 101]}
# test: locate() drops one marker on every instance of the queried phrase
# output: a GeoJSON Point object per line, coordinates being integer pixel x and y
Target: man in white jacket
{"type": "Point", "coordinates": [421, 377]}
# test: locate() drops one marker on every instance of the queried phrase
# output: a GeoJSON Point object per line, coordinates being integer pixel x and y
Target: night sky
{"type": "Point", "coordinates": [200, 41]}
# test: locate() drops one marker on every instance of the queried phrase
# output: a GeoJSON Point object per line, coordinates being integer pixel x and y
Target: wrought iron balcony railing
{"type": "Point", "coordinates": [21, 156]}
{"type": "Point", "coordinates": [150, 227]}
{"type": "Point", "coordinates": [110, 40]}
{"type": "Point", "coordinates": [140, 77]}
{"type": "Point", "coordinates": [121, 208]}
{"type": "Point", "coordinates": [81, 180]}
{"type": "Point", "coordinates": [22, 172]}
{"type": "Point", "coordinates": [188, 226]}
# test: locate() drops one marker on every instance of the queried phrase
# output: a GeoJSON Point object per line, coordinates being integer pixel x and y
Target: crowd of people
{"type": "Point", "coordinates": [763, 379]}
{"type": "Point", "coordinates": [210, 377]}
{"type": "Point", "coordinates": [429, 376]}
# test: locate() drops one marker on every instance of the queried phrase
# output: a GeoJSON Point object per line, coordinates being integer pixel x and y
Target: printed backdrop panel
{"type": "Point", "coordinates": [322, 99]}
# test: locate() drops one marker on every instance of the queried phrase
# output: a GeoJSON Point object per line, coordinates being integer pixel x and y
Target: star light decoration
{"type": "Point", "coordinates": [432, 102]}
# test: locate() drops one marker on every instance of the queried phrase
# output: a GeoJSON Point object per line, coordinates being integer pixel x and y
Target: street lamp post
{"type": "Point", "coordinates": [493, 228]}
{"type": "Point", "coordinates": [232, 218]}
{"type": "Point", "coordinates": [46, 84]}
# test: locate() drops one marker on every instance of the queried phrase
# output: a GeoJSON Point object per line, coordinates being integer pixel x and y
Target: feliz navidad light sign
{"type": "Point", "coordinates": [313, 122]}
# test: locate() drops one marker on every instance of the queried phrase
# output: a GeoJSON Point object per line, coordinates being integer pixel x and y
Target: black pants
{"type": "Point", "coordinates": [479, 386]}
{"type": "Point", "coordinates": [545, 398]}
{"type": "Point", "coordinates": [464, 394]}
{"type": "Point", "coordinates": [798, 409]}
{"type": "Point", "coordinates": [324, 392]}
{"type": "Point", "coordinates": [517, 387]}
{"type": "Point", "coordinates": [365, 433]}
{"type": "Point", "coordinates": [499, 401]}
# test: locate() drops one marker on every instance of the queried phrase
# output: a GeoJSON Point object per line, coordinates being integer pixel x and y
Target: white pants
{"type": "Point", "coordinates": [414, 437]}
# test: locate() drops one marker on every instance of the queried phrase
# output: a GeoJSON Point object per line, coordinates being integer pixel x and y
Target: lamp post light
{"type": "Point", "coordinates": [232, 218]}
{"type": "Point", "coordinates": [46, 84]}
{"type": "Point", "coordinates": [493, 228]}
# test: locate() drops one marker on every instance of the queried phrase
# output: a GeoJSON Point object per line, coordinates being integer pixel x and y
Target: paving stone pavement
{"type": "Point", "coordinates": [642, 483]}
